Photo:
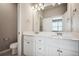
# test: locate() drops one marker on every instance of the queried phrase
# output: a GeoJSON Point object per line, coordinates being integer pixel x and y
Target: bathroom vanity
{"type": "Point", "coordinates": [50, 44]}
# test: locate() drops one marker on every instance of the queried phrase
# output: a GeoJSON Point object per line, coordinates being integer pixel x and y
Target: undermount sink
{"type": "Point", "coordinates": [59, 34]}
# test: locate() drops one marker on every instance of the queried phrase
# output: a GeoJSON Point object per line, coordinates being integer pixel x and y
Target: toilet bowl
{"type": "Point", "coordinates": [13, 47]}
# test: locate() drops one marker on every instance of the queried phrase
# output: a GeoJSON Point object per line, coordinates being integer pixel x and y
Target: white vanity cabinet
{"type": "Point", "coordinates": [39, 46]}
{"type": "Point", "coordinates": [49, 46]}
{"type": "Point", "coordinates": [28, 45]}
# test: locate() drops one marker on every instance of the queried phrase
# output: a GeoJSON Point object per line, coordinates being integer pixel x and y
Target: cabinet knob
{"type": "Point", "coordinates": [58, 50]}
{"type": "Point", "coordinates": [40, 40]}
{"type": "Point", "coordinates": [28, 42]}
{"type": "Point", "coordinates": [40, 48]}
{"type": "Point", "coordinates": [18, 32]}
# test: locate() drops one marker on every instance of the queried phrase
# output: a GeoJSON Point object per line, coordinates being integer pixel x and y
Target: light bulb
{"type": "Point", "coordinates": [59, 3]}
{"type": "Point", "coordinates": [35, 10]}
{"type": "Point", "coordinates": [40, 4]}
{"type": "Point", "coordinates": [42, 7]}
{"type": "Point", "coordinates": [53, 4]}
{"type": "Point", "coordinates": [33, 7]}
{"type": "Point", "coordinates": [36, 6]}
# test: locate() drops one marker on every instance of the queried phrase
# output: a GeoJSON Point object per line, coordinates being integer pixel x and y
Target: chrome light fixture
{"type": "Point", "coordinates": [41, 6]}
{"type": "Point", "coordinates": [38, 7]}
{"type": "Point", "coordinates": [54, 4]}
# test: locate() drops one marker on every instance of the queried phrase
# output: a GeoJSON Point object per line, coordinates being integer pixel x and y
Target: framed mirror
{"type": "Point", "coordinates": [53, 17]}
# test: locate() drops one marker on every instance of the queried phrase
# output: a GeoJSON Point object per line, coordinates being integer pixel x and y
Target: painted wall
{"type": "Point", "coordinates": [75, 17]}
{"type": "Point", "coordinates": [29, 18]}
{"type": "Point", "coordinates": [8, 23]}
{"type": "Point", "coordinates": [71, 19]}
{"type": "Point", "coordinates": [26, 17]}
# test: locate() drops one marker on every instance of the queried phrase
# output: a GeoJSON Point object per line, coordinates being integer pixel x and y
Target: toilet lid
{"type": "Point", "coordinates": [13, 45]}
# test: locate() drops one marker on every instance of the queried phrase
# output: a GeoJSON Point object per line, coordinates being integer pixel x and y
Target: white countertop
{"type": "Point", "coordinates": [65, 35]}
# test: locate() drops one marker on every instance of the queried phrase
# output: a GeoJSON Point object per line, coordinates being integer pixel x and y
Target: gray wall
{"type": "Point", "coordinates": [8, 21]}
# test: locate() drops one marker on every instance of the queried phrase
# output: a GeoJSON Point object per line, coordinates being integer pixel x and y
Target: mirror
{"type": "Point", "coordinates": [53, 24]}
{"type": "Point", "coordinates": [52, 20]}
{"type": "Point", "coordinates": [52, 17]}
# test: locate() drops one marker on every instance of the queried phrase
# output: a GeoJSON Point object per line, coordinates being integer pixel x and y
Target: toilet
{"type": "Point", "coordinates": [14, 47]}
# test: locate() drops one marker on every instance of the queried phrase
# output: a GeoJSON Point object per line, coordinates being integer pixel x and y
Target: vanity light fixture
{"type": "Point", "coordinates": [54, 4]}
{"type": "Point", "coordinates": [38, 7]}
{"type": "Point", "coordinates": [41, 6]}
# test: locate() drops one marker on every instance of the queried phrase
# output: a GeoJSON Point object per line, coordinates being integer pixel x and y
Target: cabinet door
{"type": "Point", "coordinates": [69, 47]}
{"type": "Point", "coordinates": [69, 53]}
{"type": "Point", "coordinates": [70, 44]}
{"type": "Point", "coordinates": [28, 46]}
{"type": "Point", "coordinates": [52, 47]}
{"type": "Point", "coordinates": [52, 51]}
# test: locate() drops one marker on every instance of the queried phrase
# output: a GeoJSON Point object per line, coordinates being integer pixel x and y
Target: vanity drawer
{"type": "Point", "coordinates": [28, 42]}
{"type": "Point", "coordinates": [40, 51]}
{"type": "Point", "coordinates": [28, 46]}
{"type": "Point", "coordinates": [40, 41]}
{"type": "Point", "coordinates": [27, 50]}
